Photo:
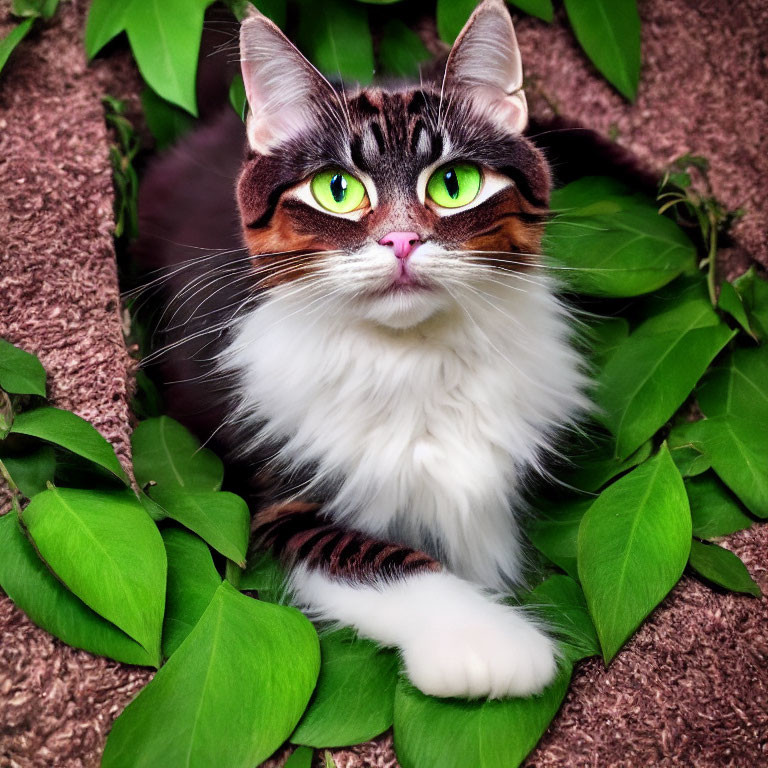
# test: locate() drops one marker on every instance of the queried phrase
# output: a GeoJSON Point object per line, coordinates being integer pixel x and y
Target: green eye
{"type": "Point", "coordinates": [337, 191]}
{"type": "Point", "coordinates": [454, 185]}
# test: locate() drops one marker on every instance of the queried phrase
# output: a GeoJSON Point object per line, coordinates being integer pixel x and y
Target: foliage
{"type": "Point", "coordinates": [648, 491]}
{"type": "Point", "coordinates": [154, 575]}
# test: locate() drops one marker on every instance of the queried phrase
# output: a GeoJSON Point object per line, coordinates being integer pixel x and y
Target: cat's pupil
{"type": "Point", "coordinates": [451, 183]}
{"type": "Point", "coordinates": [338, 187]}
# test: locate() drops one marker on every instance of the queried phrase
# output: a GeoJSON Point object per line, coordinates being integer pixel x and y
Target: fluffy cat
{"type": "Point", "coordinates": [395, 358]}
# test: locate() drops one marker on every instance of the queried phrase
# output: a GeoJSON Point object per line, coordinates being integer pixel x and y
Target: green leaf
{"type": "Point", "coordinates": [230, 695]}
{"type": "Point", "coordinates": [106, 20]}
{"type": "Point", "coordinates": [166, 122]}
{"type": "Point", "coordinates": [32, 471]}
{"type": "Point", "coordinates": [451, 16]}
{"type": "Point", "coordinates": [738, 387]}
{"type": "Point", "coordinates": [221, 519]}
{"type": "Point", "coordinates": [336, 37]}
{"type": "Point", "coordinates": [722, 567]}
{"type": "Point", "coordinates": [753, 291]}
{"type": "Point", "coordinates": [105, 548]}
{"type": "Point", "coordinates": [456, 733]}
{"type": "Point", "coordinates": [401, 50]}
{"type": "Point", "coordinates": [605, 336]}
{"type": "Point", "coordinates": [633, 545]}
{"type": "Point", "coordinates": [354, 698]}
{"type": "Point", "coordinates": [166, 453]}
{"type": "Point", "coordinates": [542, 9]}
{"type": "Point", "coordinates": [71, 432]}
{"type": "Point", "coordinates": [730, 301]}
{"type": "Point", "coordinates": [593, 464]}
{"type": "Point", "coordinates": [561, 605]}
{"type": "Point", "coordinates": [300, 758]}
{"type": "Point", "coordinates": [714, 511]}
{"type": "Point", "coordinates": [555, 533]}
{"type": "Point", "coordinates": [655, 369]}
{"type": "Point", "coordinates": [33, 588]}
{"type": "Point", "coordinates": [20, 372]}
{"type": "Point", "coordinates": [612, 244]}
{"type": "Point", "coordinates": [34, 8]}
{"type": "Point", "coordinates": [738, 451]}
{"type": "Point", "coordinates": [689, 461]}
{"type": "Point", "coordinates": [12, 39]}
{"type": "Point", "coordinates": [609, 33]}
{"type": "Point", "coordinates": [264, 574]}
{"type": "Point", "coordinates": [237, 97]}
{"type": "Point", "coordinates": [165, 39]}
{"type": "Point", "coordinates": [192, 583]}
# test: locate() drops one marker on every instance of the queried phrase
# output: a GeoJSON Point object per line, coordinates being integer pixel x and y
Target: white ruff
{"type": "Point", "coordinates": [426, 430]}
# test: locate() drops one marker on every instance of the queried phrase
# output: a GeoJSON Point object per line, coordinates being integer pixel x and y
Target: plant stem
{"type": "Point", "coordinates": [712, 265]}
{"type": "Point", "coordinates": [9, 480]}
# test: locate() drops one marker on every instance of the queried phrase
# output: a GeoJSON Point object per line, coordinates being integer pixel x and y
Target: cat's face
{"type": "Point", "coordinates": [391, 204]}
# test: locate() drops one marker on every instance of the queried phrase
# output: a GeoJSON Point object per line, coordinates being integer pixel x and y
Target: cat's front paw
{"type": "Point", "coordinates": [494, 652]}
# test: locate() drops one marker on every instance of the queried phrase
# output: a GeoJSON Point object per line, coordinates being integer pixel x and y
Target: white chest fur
{"type": "Point", "coordinates": [425, 432]}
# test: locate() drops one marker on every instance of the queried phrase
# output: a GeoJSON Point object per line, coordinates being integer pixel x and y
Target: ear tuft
{"type": "Point", "coordinates": [485, 59]}
{"type": "Point", "coordinates": [283, 89]}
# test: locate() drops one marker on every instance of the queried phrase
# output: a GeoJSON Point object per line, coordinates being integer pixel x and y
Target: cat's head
{"type": "Point", "coordinates": [390, 202]}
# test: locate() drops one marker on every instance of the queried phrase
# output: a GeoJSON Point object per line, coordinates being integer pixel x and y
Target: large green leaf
{"type": "Point", "coordinates": [33, 588]}
{"type": "Point", "coordinates": [539, 8]}
{"type": "Point", "coordinates": [229, 696]}
{"type": "Point", "coordinates": [32, 471]}
{"type": "Point", "coordinates": [560, 603]}
{"type": "Point", "coordinates": [106, 19]}
{"type": "Point", "coordinates": [714, 511]}
{"type": "Point", "coordinates": [722, 567]}
{"type": "Point", "coordinates": [609, 32]}
{"type": "Point", "coordinates": [400, 50]}
{"type": "Point", "coordinates": [71, 432]}
{"type": "Point", "coordinates": [555, 532]}
{"type": "Point", "coordinates": [354, 698]}
{"type": "Point", "coordinates": [655, 369]}
{"type": "Point", "coordinates": [739, 387]}
{"type": "Point", "coordinates": [451, 16]}
{"type": "Point", "coordinates": [456, 733]}
{"type": "Point", "coordinates": [165, 39]}
{"type": "Point", "coordinates": [336, 37]}
{"type": "Point", "coordinates": [166, 453]}
{"type": "Point", "coordinates": [192, 582]}
{"type": "Point", "coordinates": [221, 519]}
{"type": "Point", "coordinates": [609, 244]}
{"type": "Point", "coordinates": [20, 372]}
{"type": "Point", "coordinates": [12, 39]}
{"type": "Point", "coordinates": [738, 451]}
{"type": "Point", "coordinates": [106, 549]}
{"type": "Point", "coordinates": [633, 545]}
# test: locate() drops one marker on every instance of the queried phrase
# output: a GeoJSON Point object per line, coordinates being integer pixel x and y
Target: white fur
{"type": "Point", "coordinates": [424, 409]}
{"type": "Point", "coordinates": [455, 640]}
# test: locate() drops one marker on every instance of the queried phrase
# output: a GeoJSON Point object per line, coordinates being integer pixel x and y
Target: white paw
{"type": "Point", "coordinates": [492, 652]}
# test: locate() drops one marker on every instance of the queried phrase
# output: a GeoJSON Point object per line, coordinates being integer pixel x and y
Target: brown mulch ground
{"type": "Point", "coordinates": [692, 687]}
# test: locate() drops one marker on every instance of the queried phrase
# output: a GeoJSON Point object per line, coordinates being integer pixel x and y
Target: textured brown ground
{"type": "Point", "coordinates": [691, 689]}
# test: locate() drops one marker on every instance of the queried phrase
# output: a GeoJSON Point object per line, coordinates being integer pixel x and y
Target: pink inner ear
{"type": "Point", "coordinates": [512, 111]}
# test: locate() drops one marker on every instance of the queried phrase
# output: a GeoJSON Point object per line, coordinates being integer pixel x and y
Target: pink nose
{"type": "Point", "coordinates": [403, 243]}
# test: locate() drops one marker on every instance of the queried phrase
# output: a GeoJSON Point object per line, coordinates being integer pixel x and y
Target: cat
{"type": "Point", "coordinates": [395, 358]}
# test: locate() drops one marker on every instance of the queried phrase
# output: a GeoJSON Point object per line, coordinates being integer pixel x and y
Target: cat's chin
{"type": "Point", "coordinates": [405, 308]}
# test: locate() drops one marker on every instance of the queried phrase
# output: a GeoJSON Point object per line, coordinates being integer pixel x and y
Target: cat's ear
{"type": "Point", "coordinates": [485, 60]}
{"type": "Point", "coordinates": [283, 89]}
